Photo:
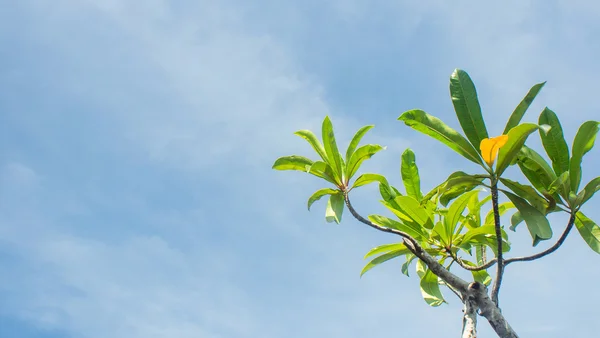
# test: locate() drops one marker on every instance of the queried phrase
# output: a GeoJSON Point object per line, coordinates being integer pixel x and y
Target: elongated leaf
{"type": "Point", "coordinates": [360, 155]}
{"type": "Point", "coordinates": [370, 178]}
{"type": "Point", "coordinates": [384, 258]}
{"type": "Point", "coordinates": [535, 168]}
{"type": "Point", "coordinates": [584, 141]}
{"type": "Point", "coordinates": [516, 139]}
{"type": "Point", "coordinates": [554, 142]}
{"type": "Point", "coordinates": [411, 229]}
{"type": "Point", "coordinates": [440, 232]}
{"type": "Point", "coordinates": [589, 231]}
{"type": "Point", "coordinates": [482, 276]}
{"type": "Point", "coordinates": [335, 207]}
{"type": "Point", "coordinates": [320, 193]}
{"type": "Point", "coordinates": [322, 170]}
{"type": "Point", "coordinates": [385, 248]}
{"type": "Point", "coordinates": [439, 188]}
{"type": "Point", "coordinates": [515, 220]}
{"type": "Point", "coordinates": [293, 162]}
{"type": "Point", "coordinates": [410, 175]}
{"type": "Point", "coordinates": [502, 209]}
{"type": "Point", "coordinates": [590, 189]}
{"type": "Point", "coordinates": [537, 223]}
{"type": "Point", "coordinates": [466, 106]}
{"type": "Point", "coordinates": [517, 115]}
{"type": "Point", "coordinates": [430, 289]}
{"type": "Point", "coordinates": [415, 211]}
{"type": "Point", "coordinates": [488, 230]}
{"type": "Point", "coordinates": [409, 258]}
{"type": "Point", "coordinates": [457, 186]}
{"type": "Point", "coordinates": [434, 127]}
{"type": "Point", "coordinates": [527, 192]}
{"type": "Point", "coordinates": [356, 140]}
{"type": "Point", "coordinates": [388, 192]}
{"type": "Point", "coordinates": [314, 143]}
{"type": "Point", "coordinates": [331, 149]}
{"type": "Point", "coordinates": [455, 211]}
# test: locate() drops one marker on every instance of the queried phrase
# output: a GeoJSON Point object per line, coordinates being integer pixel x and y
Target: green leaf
{"type": "Point", "coordinates": [384, 258]}
{"type": "Point", "coordinates": [482, 276]}
{"type": "Point", "coordinates": [502, 209]}
{"type": "Point", "coordinates": [537, 223]}
{"type": "Point", "coordinates": [554, 142]}
{"type": "Point", "coordinates": [430, 289]}
{"type": "Point", "coordinates": [385, 248]}
{"type": "Point", "coordinates": [409, 258]}
{"type": "Point", "coordinates": [434, 127]}
{"type": "Point", "coordinates": [455, 211]}
{"type": "Point", "coordinates": [527, 192]}
{"type": "Point", "coordinates": [457, 186]}
{"type": "Point", "coordinates": [415, 211]}
{"type": "Point", "coordinates": [331, 149]}
{"type": "Point", "coordinates": [370, 178]}
{"type": "Point", "coordinates": [335, 207]}
{"type": "Point", "coordinates": [411, 229]}
{"type": "Point", "coordinates": [410, 175]}
{"type": "Point", "coordinates": [589, 231]}
{"type": "Point", "coordinates": [360, 155]}
{"type": "Point", "coordinates": [561, 184]}
{"type": "Point", "coordinates": [516, 139]}
{"type": "Point", "coordinates": [466, 105]}
{"type": "Point", "coordinates": [320, 193]}
{"type": "Point", "coordinates": [442, 233]}
{"type": "Point", "coordinates": [488, 230]}
{"type": "Point", "coordinates": [355, 141]}
{"type": "Point", "coordinates": [583, 142]}
{"type": "Point", "coordinates": [590, 189]}
{"type": "Point", "coordinates": [515, 220]}
{"type": "Point", "coordinates": [535, 168]}
{"type": "Point", "coordinates": [322, 170]}
{"type": "Point", "coordinates": [314, 143]}
{"type": "Point", "coordinates": [292, 163]}
{"type": "Point", "coordinates": [517, 115]}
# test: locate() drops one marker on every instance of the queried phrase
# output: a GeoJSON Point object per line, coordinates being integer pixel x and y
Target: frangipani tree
{"type": "Point", "coordinates": [446, 228]}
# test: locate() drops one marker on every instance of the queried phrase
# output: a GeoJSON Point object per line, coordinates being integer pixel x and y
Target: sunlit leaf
{"type": "Point", "coordinates": [331, 149]}
{"type": "Point", "coordinates": [455, 211]}
{"type": "Point", "coordinates": [410, 175]}
{"type": "Point", "coordinates": [434, 127]}
{"type": "Point", "coordinates": [589, 231]}
{"type": "Point", "coordinates": [590, 189]}
{"type": "Point", "coordinates": [517, 115]}
{"type": "Point", "coordinates": [385, 248]}
{"type": "Point", "coordinates": [360, 155]}
{"type": "Point", "coordinates": [293, 162]}
{"type": "Point", "coordinates": [554, 142]}
{"type": "Point", "coordinates": [430, 289]}
{"type": "Point", "coordinates": [414, 210]}
{"type": "Point", "coordinates": [516, 138]}
{"type": "Point", "coordinates": [355, 141]}
{"type": "Point", "coordinates": [410, 228]}
{"type": "Point", "coordinates": [320, 193]}
{"type": "Point", "coordinates": [466, 105]}
{"type": "Point", "coordinates": [314, 143]}
{"type": "Point", "coordinates": [584, 141]}
{"type": "Point", "coordinates": [537, 223]}
{"type": "Point", "coordinates": [370, 178]}
{"type": "Point", "coordinates": [384, 258]}
{"type": "Point", "coordinates": [527, 192]}
{"type": "Point", "coordinates": [335, 207]}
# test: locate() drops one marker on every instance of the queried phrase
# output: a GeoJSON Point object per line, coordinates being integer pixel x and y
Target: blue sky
{"type": "Point", "coordinates": [136, 141]}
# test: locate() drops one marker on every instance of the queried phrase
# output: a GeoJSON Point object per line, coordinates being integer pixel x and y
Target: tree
{"type": "Point", "coordinates": [445, 228]}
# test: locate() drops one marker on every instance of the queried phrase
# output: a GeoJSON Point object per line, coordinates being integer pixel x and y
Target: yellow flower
{"type": "Point", "coordinates": [490, 146]}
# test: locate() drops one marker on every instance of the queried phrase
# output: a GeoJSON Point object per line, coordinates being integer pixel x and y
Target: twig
{"type": "Point", "coordinates": [551, 249]}
{"type": "Point", "coordinates": [500, 260]}
{"type": "Point", "coordinates": [460, 262]}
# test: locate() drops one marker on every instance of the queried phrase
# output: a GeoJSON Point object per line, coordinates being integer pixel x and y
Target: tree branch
{"type": "Point", "coordinates": [476, 291]}
{"type": "Point", "coordinates": [551, 249]}
{"type": "Point", "coordinates": [460, 262]}
{"type": "Point", "coordinates": [412, 245]}
{"type": "Point", "coordinates": [500, 260]}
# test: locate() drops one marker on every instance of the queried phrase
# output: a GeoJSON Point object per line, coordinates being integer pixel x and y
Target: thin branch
{"type": "Point", "coordinates": [412, 245]}
{"type": "Point", "coordinates": [460, 262]}
{"type": "Point", "coordinates": [500, 260]}
{"type": "Point", "coordinates": [551, 249]}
